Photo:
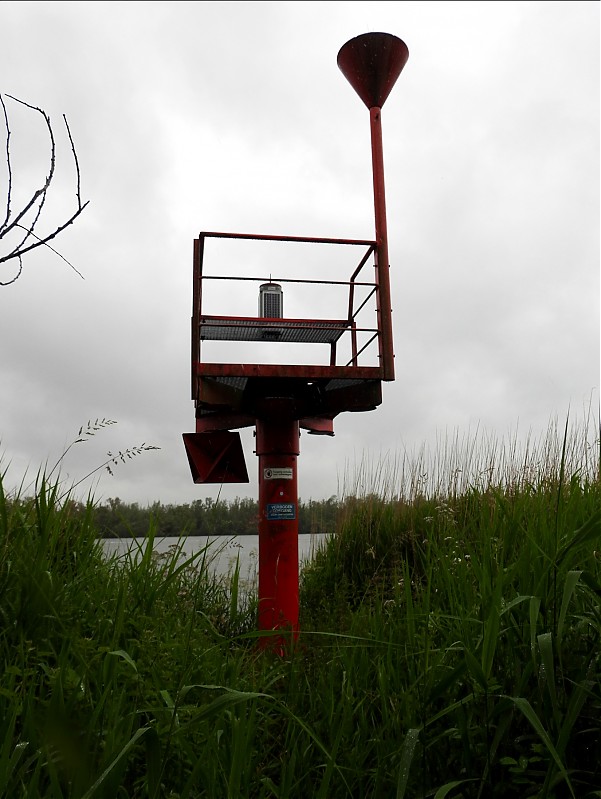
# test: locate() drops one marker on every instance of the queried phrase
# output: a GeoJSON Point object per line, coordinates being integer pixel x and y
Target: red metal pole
{"type": "Point", "coordinates": [382, 264]}
{"type": "Point", "coordinates": [277, 449]}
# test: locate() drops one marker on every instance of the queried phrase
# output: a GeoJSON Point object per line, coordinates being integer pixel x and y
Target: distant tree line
{"type": "Point", "coordinates": [117, 519]}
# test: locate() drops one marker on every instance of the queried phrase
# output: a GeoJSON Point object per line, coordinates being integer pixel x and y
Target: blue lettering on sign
{"type": "Point", "coordinates": [281, 510]}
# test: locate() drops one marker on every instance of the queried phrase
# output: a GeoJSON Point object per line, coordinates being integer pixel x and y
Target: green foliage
{"type": "Point", "coordinates": [468, 637]}
{"type": "Point", "coordinates": [450, 647]}
{"type": "Point", "coordinates": [205, 517]}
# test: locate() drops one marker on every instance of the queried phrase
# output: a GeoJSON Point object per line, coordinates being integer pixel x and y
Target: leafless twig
{"type": "Point", "coordinates": [35, 205]}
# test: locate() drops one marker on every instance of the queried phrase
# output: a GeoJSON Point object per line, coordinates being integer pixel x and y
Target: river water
{"type": "Point", "coordinates": [222, 552]}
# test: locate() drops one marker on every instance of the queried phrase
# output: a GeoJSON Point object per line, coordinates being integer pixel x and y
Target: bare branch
{"type": "Point", "coordinates": [46, 239]}
{"type": "Point", "coordinates": [8, 165]}
{"type": "Point", "coordinates": [53, 250]}
{"type": "Point", "coordinates": [76, 162]}
{"type": "Point", "coordinates": [40, 192]}
{"type": "Point", "coordinates": [16, 277]}
{"type": "Point", "coordinates": [35, 205]}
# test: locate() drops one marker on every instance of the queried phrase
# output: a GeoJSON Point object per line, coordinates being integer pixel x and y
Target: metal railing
{"type": "Point", "coordinates": [336, 327]}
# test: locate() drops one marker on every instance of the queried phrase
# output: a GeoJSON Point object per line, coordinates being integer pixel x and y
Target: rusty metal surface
{"type": "Point", "coordinates": [231, 395]}
{"type": "Point", "coordinates": [299, 239]}
{"type": "Point", "coordinates": [220, 406]}
{"type": "Point", "coordinates": [225, 327]}
{"type": "Point", "coordinates": [307, 372]}
{"type": "Point", "coordinates": [215, 457]}
{"type": "Point", "coordinates": [241, 328]}
{"type": "Point", "coordinates": [386, 344]}
{"type": "Point", "coordinates": [372, 63]}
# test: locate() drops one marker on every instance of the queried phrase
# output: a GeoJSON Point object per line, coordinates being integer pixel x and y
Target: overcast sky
{"type": "Point", "coordinates": [227, 116]}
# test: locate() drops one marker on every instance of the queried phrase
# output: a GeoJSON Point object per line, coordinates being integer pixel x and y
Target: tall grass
{"type": "Point", "coordinates": [460, 462]}
{"type": "Point", "coordinates": [450, 646]}
{"type": "Point", "coordinates": [479, 606]}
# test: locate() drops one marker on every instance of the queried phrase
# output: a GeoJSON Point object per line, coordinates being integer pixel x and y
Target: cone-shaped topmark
{"type": "Point", "coordinates": [372, 63]}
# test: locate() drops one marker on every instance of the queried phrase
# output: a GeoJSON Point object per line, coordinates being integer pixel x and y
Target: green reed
{"type": "Point", "coordinates": [450, 645]}
{"type": "Point", "coordinates": [481, 607]}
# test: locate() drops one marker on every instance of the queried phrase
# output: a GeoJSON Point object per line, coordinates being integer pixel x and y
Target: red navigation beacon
{"type": "Point", "coordinates": [281, 373]}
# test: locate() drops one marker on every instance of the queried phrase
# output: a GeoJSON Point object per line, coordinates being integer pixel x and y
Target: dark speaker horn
{"type": "Point", "coordinates": [372, 63]}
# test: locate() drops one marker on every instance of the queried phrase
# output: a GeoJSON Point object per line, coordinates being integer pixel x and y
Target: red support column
{"type": "Point", "coordinates": [277, 450]}
{"type": "Point", "coordinates": [382, 265]}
